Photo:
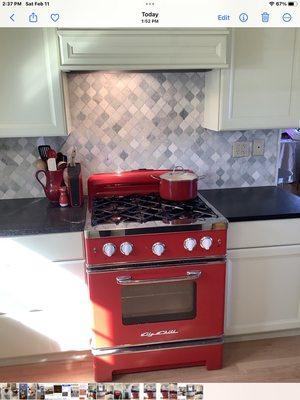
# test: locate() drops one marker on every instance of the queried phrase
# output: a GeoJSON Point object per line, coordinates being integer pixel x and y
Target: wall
{"type": "Point", "coordinates": [136, 120]}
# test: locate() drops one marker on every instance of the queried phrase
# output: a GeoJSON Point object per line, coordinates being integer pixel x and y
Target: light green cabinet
{"type": "Point", "coordinates": [261, 89]}
{"type": "Point", "coordinates": [31, 97]}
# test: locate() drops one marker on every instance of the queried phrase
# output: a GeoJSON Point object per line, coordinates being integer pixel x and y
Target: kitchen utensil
{"type": "Point", "coordinates": [40, 164]}
{"type": "Point", "coordinates": [51, 153]}
{"type": "Point", "coordinates": [178, 185]}
{"type": "Point", "coordinates": [59, 157]}
{"type": "Point", "coordinates": [51, 163]}
{"type": "Point", "coordinates": [43, 149]}
{"type": "Point", "coordinates": [61, 165]}
{"type": "Point", "coordinates": [53, 183]}
{"type": "Point", "coordinates": [73, 156]}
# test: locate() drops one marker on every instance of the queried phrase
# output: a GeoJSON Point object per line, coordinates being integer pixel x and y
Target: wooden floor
{"type": "Point", "coordinates": [269, 360]}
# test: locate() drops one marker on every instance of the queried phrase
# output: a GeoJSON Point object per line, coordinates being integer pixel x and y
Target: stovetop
{"type": "Point", "coordinates": [141, 209]}
{"type": "Point", "coordinates": [137, 214]}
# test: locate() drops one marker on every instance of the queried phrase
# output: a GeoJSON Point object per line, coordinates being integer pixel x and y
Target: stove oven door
{"type": "Point", "coordinates": [158, 304]}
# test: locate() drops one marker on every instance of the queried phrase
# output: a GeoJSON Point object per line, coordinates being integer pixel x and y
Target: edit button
{"type": "Point", "coordinates": [223, 17]}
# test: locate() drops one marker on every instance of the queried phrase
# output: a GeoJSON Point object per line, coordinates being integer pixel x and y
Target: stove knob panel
{"type": "Point", "coordinates": [126, 248]}
{"type": "Point", "coordinates": [206, 242]}
{"type": "Point", "coordinates": [158, 248]}
{"type": "Point", "coordinates": [189, 244]}
{"type": "Point", "coordinates": [109, 249]}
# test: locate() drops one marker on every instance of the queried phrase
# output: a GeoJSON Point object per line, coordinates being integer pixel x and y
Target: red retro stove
{"type": "Point", "coordinates": [156, 275]}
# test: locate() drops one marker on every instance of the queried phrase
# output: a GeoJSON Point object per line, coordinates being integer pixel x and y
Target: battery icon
{"type": "Point", "coordinates": [292, 3]}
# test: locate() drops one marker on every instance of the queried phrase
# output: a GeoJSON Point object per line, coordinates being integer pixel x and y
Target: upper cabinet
{"type": "Point", "coordinates": [32, 98]}
{"type": "Point", "coordinates": [143, 49]}
{"type": "Point", "coordinates": [261, 89]}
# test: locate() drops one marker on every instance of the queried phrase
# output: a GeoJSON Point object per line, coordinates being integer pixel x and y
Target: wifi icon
{"type": "Point", "coordinates": [272, 3]}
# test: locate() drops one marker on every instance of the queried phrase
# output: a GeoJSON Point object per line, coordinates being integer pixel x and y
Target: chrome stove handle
{"type": "Point", "coordinates": [128, 280]}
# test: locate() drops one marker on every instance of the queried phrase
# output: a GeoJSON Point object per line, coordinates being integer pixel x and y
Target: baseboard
{"type": "Point", "coordinates": [82, 355]}
{"type": "Point", "coordinates": [261, 335]}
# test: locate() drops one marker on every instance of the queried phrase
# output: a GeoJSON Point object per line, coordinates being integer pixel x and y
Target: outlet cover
{"type": "Point", "coordinates": [241, 149]}
{"type": "Point", "coordinates": [258, 147]}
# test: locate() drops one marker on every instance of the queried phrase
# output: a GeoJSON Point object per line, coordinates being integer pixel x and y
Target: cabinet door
{"type": "Point", "coordinates": [44, 308]}
{"type": "Point", "coordinates": [32, 101]}
{"type": "Point", "coordinates": [42, 332]}
{"type": "Point", "coordinates": [263, 290]}
{"type": "Point", "coordinates": [261, 89]}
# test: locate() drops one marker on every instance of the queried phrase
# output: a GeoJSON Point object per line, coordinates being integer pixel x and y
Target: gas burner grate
{"type": "Point", "coordinates": [145, 208]}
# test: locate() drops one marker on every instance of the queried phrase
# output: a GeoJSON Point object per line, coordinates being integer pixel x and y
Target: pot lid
{"type": "Point", "coordinates": [179, 174]}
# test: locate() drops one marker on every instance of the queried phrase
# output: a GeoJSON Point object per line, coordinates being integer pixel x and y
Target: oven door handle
{"type": "Point", "coordinates": [128, 280]}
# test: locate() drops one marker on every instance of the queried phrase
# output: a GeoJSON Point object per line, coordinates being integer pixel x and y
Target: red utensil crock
{"type": "Point", "coordinates": [54, 180]}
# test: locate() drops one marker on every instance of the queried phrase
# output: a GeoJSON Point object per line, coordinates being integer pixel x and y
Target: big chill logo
{"type": "Point", "coordinates": [159, 333]}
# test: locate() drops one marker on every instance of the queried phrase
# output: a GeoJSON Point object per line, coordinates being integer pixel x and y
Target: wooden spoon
{"type": "Point", "coordinates": [41, 165]}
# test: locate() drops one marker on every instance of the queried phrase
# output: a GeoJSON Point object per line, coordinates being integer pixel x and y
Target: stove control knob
{"type": "Point", "coordinates": [126, 248]}
{"type": "Point", "coordinates": [206, 242]}
{"type": "Point", "coordinates": [109, 249]}
{"type": "Point", "coordinates": [189, 244]}
{"type": "Point", "coordinates": [158, 249]}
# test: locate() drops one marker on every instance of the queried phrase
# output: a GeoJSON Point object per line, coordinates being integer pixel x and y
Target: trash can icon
{"type": "Point", "coordinates": [265, 17]}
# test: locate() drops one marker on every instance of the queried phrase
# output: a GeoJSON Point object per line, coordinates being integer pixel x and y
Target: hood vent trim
{"type": "Point", "coordinates": [143, 50]}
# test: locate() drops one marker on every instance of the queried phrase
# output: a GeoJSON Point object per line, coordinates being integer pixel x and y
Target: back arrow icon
{"type": "Point", "coordinates": [12, 17]}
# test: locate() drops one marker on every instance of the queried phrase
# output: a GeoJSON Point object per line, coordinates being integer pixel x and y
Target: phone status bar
{"type": "Point", "coordinates": [151, 13]}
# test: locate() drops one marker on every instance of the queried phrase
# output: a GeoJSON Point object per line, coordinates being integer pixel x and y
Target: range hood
{"type": "Point", "coordinates": [142, 49]}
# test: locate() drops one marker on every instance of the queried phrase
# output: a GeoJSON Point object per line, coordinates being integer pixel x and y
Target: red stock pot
{"type": "Point", "coordinates": [178, 185]}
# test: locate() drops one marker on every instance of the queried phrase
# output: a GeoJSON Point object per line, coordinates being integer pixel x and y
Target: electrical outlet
{"type": "Point", "coordinates": [241, 149]}
{"type": "Point", "coordinates": [258, 147]}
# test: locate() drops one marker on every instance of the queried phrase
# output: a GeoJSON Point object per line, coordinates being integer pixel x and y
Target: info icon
{"type": "Point", "coordinates": [243, 17]}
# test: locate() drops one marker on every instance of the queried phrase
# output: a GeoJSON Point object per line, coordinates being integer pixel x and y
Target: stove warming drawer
{"type": "Point", "coordinates": [205, 352]}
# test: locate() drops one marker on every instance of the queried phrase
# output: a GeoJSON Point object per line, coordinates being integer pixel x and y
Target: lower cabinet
{"type": "Point", "coordinates": [42, 332]}
{"type": "Point", "coordinates": [44, 302]}
{"type": "Point", "coordinates": [263, 289]}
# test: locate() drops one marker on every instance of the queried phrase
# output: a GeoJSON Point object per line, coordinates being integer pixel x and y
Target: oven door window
{"type": "Point", "coordinates": [156, 302]}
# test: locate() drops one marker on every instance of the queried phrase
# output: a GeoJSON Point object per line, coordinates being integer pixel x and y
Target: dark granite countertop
{"type": "Point", "coordinates": [252, 204]}
{"type": "Point", "coordinates": [36, 216]}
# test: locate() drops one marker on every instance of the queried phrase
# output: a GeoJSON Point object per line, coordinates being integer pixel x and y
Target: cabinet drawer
{"type": "Point", "coordinates": [140, 49]}
{"type": "Point", "coordinates": [277, 232]}
{"type": "Point", "coordinates": [51, 247]}
{"type": "Point", "coordinates": [43, 285]}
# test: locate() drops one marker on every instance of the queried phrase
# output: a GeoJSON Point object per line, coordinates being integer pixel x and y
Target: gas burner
{"type": "Point", "coordinates": [146, 208]}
